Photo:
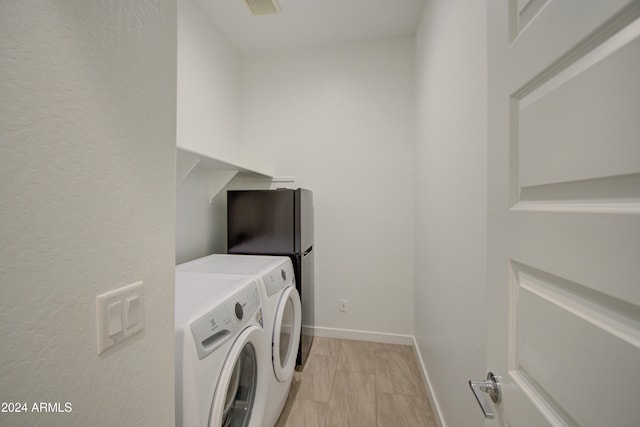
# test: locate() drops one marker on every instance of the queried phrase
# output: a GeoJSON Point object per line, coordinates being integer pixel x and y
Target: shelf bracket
{"type": "Point", "coordinates": [218, 179]}
{"type": "Point", "coordinates": [184, 166]}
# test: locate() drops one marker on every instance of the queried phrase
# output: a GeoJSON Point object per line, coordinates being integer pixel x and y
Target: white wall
{"type": "Point", "coordinates": [87, 165]}
{"type": "Point", "coordinates": [208, 86]}
{"type": "Point", "coordinates": [451, 203]}
{"type": "Point", "coordinates": [201, 227]}
{"type": "Point", "coordinates": [208, 123]}
{"type": "Point", "coordinates": [341, 120]}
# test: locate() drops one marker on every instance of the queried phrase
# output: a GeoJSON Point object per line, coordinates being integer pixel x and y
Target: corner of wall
{"type": "Point", "coordinates": [450, 215]}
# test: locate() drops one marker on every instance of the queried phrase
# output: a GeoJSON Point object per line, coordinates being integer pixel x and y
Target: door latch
{"type": "Point", "coordinates": [491, 386]}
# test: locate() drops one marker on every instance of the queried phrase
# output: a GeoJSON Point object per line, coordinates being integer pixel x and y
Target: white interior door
{"type": "Point", "coordinates": [564, 211]}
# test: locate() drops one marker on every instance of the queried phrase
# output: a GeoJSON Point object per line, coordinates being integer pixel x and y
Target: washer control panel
{"type": "Point", "coordinates": [223, 322]}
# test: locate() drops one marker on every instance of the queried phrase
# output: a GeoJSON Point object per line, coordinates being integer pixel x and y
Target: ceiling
{"type": "Point", "coordinates": [313, 22]}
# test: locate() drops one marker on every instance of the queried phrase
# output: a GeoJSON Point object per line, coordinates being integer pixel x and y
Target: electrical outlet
{"type": "Point", "coordinates": [343, 306]}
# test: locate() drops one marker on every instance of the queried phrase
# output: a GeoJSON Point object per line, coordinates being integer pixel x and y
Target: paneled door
{"type": "Point", "coordinates": [564, 212]}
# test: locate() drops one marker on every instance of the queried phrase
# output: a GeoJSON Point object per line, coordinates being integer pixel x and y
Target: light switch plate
{"type": "Point", "coordinates": [125, 305]}
{"type": "Point", "coordinates": [132, 311]}
{"type": "Point", "coordinates": [114, 317]}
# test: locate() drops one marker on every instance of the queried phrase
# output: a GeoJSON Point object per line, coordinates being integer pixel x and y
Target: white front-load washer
{"type": "Point", "coordinates": [220, 351]}
{"type": "Point", "coordinates": [282, 314]}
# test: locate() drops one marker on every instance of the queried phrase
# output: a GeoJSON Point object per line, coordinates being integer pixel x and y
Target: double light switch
{"type": "Point", "coordinates": [120, 314]}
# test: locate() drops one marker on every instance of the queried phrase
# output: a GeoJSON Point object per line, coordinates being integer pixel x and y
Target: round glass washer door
{"type": "Point", "coordinates": [286, 334]}
{"type": "Point", "coordinates": [238, 384]}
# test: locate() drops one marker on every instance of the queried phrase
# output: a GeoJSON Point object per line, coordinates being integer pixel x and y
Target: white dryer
{"type": "Point", "coordinates": [282, 314]}
{"type": "Point", "coordinates": [220, 351]}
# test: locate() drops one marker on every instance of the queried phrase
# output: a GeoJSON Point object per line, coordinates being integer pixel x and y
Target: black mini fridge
{"type": "Point", "coordinates": [277, 222]}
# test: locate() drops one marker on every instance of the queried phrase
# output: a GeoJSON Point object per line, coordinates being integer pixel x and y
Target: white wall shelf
{"type": "Point", "coordinates": [221, 172]}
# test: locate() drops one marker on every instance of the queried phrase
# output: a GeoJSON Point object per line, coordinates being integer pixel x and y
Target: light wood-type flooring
{"type": "Point", "coordinates": [358, 383]}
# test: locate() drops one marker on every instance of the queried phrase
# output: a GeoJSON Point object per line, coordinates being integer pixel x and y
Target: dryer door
{"type": "Point", "coordinates": [239, 398]}
{"type": "Point", "coordinates": [286, 333]}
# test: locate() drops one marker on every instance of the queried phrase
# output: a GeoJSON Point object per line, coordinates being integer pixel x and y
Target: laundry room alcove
{"type": "Point", "coordinates": [201, 184]}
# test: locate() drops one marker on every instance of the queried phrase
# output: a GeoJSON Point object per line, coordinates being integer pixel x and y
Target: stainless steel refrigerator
{"type": "Point", "coordinates": [277, 222]}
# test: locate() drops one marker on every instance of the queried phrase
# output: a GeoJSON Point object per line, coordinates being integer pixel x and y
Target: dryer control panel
{"type": "Point", "coordinates": [279, 278]}
{"type": "Point", "coordinates": [223, 322]}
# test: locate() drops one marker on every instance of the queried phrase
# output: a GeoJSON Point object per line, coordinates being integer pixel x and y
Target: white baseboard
{"type": "Point", "coordinates": [350, 334]}
{"type": "Point", "coordinates": [437, 413]}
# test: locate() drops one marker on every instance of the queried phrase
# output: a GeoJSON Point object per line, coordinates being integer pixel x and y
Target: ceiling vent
{"type": "Point", "coordinates": [263, 7]}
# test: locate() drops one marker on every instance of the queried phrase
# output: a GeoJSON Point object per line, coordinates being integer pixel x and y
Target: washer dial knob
{"type": "Point", "coordinates": [239, 311]}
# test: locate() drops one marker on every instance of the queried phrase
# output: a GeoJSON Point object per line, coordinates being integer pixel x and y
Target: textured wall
{"type": "Point", "coordinates": [87, 203]}
{"type": "Point", "coordinates": [451, 203]}
{"type": "Point", "coordinates": [341, 120]}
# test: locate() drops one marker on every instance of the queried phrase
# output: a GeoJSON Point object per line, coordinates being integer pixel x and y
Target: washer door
{"type": "Point", "coordinates": [286, 334]}
{"type": "Point", "coordinates": [240, 392]}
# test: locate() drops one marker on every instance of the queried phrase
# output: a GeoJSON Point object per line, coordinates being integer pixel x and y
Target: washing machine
{"type": "Point", "coordinates": [220, 350]}
{"type": "Point", "coordinates": [282, 315]}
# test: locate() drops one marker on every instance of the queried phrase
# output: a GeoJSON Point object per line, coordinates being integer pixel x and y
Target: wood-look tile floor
{"type": "Point", "coordinates": [358, 383]}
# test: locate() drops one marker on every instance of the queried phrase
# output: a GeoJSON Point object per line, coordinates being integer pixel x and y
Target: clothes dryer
{"type": "Point", "coordinates": [282, 314]}
{"type": "Point", "coordinates": [220, 351]}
